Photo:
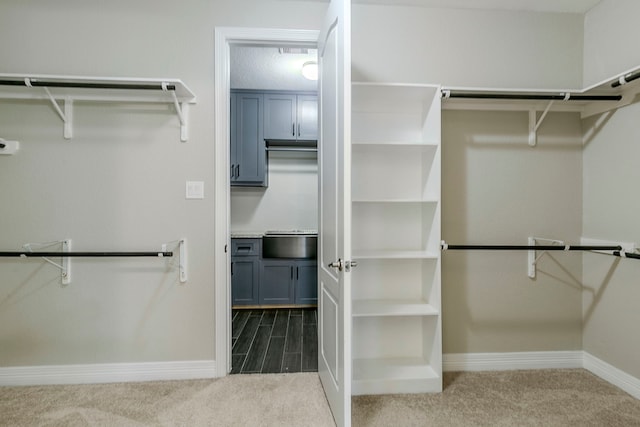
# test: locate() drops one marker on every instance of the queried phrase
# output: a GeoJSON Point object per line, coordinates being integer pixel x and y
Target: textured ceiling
{"type": "Point", "coordinates": [267, 68]}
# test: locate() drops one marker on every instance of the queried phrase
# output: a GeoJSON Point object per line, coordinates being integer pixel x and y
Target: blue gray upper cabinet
{"type": "Point", "coordinates": [247, 151]}
{"type": "Point", "coordinates": [289, 116]}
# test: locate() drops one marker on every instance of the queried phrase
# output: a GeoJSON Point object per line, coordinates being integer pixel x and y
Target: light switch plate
{"type": "Point", "coordinates": [195, 190]}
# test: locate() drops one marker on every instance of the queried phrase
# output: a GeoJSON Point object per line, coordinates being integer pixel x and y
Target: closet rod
{"type": "Point", "coordinates": [27, 254]}
{"type": "Point", "coordinates": [129, 86]}
{"type": "Point", "coordinates": [626, 79]}
{"type": "Point", "coordinates": [531, 247]}
{"type": "Point", "coordinates": [539, 97]}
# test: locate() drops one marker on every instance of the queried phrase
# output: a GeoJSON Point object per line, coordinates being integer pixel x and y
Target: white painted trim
{"type": "Point", "coordinates": [612, 375]}
{"type": "Point", "coordinates": [224, 36]}
{"type": "Point", "coordinates": [106, 373]}
{"type": "Point", "coordinates": [512, 361]}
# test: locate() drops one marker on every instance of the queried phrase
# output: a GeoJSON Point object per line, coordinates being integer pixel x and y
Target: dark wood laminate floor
{"type": "Point", "coordinates": [274, 341]}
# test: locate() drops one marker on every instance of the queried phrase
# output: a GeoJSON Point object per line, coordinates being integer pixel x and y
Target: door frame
{"type": "Point", "coordinates": [224, 38]}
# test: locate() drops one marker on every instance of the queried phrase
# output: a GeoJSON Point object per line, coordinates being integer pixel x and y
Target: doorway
{"type": "Point", "coordinates": [226, 40]}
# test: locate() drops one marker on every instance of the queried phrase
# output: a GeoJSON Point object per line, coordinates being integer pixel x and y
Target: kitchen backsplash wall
{"type": "Point", "coordinates": [289, 203]}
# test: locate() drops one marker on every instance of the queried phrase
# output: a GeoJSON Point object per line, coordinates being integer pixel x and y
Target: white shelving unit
{"type": "Point", "coordinates": [63, 91]}
{"type": "Point", "coordinates": [397, 339]}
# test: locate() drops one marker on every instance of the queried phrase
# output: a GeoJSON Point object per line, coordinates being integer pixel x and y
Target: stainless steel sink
{"type": "Point", "coordinates": [294, 244]}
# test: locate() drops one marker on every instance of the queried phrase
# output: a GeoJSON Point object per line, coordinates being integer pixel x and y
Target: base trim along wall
{"type": "Point", "coordinates": [612, 375]}
{"type": "Point", "coordinates": [542, 360]}
{"type": "Point", "coordinates": [162, 371]}
{"type": "Point", "coordinates": [511, 361]}
{"type": "Point", "coordinates": [106, 373]}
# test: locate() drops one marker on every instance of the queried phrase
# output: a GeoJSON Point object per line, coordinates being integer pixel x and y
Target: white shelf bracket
{"type": "Point", "coordinates": [183, 261]}
{"type": "Point", "coordinates": [534, 122]}
{"type": "Point", "coordinates": [532, 259]}
{"type": "Point", "coordinates": [65, 266]}
{"type": "Point", "coordinates": [182, 110]}
{"type": "Point", "coordinates": [66, 115]}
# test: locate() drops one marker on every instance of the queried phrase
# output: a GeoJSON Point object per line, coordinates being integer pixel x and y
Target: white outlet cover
{"type": "Point", "coordinates": [195, 190]}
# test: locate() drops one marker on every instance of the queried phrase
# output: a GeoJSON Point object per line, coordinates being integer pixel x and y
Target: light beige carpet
{"type": "Point", "coordinates": [513, 398]}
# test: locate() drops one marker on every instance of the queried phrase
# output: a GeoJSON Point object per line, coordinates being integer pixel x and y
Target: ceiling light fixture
{"type": "Point", "coordinates": [310, 70]}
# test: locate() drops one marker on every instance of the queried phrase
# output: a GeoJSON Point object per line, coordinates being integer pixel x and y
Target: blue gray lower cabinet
{"type": "Point", "coordinates": [265, 281]}
{"type": "Point", "coordinates": [245, 271]}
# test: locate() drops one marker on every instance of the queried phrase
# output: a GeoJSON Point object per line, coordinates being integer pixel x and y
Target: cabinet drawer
{"type": "Point", "coordinates": [245, 247]}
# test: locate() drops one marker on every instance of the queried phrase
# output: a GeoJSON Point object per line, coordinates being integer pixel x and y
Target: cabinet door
{"type": "Point", "coordinates": [306, 282]}
{"type": "Point", "coordinates": [233, 158]}
{"type": "Point", "coordinates": [276, 286]}
{"type": "Point", "coordinates": [250, 147]}
{"type": "Point", "coordinates": [244, 281]}
{"type": "Point", "coordinates": [307, 117]}
{"type": "Point", "coordinates": [280, 116]}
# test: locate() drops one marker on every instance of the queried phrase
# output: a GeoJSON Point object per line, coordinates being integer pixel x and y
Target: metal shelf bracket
{"type": "Point", "coordinates": [182, 110]}
{"type": "Point", "coordinates": [65, 266]}
{"type": "Point", "coordinates": [532, 259]}
{"type": "Point", "coordinates": [534, 122]}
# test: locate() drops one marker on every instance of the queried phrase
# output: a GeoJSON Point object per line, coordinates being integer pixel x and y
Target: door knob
{"type": "Point", "coordinates": [339, 264]}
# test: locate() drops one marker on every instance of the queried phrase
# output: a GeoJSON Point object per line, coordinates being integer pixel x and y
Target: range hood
{"type": "Point", "coordinates": [291, 145]}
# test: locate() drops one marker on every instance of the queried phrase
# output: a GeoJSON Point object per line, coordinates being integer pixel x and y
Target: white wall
{"type": "Point", "coordinates": [610, 42]}
{"type": "Point", "coordinates": [611, 207]}
{"type": "Point", "coordinates": [499, 190]}
{"type": "Point", "coordinates": [289, 203]}
{"type": "Point", "coordinates": [119, 184]}
{"type": "Point", "coordinates": [458, 47]}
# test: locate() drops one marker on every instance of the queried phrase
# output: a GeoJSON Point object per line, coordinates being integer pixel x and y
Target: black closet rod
{"type": "Point", "coordinates": [537, 97]}
{"type": "Point", "coordinates": [531, 248]}
{"type": "Point", "coordinates": [626, 79]}
{"type": "Point", "coordinates": [26, 254]}
{"type": "Point", "coordinates": [129, 86]}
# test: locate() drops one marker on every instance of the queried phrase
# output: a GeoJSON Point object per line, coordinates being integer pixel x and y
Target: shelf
{"type": "Point", "coordinates": [366, 308]}
{"type": "Point", "coordinates": [69, 89]}
{"type": "Point", "coordinates": [395, 114]}
{"type": "Point", "coordinates": [392, 254]}
{"type": "Point", "coordinates": [395, 144]}
{"type": "Point", "coordinates": [394, 375]}
{"type": "Point", "coordinates": [400, 171]}
{"type": "Point", "coordinates": [389, 200]}
{"type": "Point", "coordinates": [400, 228]}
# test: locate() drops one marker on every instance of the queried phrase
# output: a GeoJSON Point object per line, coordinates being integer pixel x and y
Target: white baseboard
{"type": "Point", "coordinates": [612, 375]}
{"type": "Point", "coordinates": [512, 361]}
{"type": "Point", "coordinates": [107, 373]}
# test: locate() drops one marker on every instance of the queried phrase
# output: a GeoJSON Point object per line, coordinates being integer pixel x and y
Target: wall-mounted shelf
{"type": "Point", "coordinates": [63, 91]}
{"type": "Point", "coordinates": [610, 94]}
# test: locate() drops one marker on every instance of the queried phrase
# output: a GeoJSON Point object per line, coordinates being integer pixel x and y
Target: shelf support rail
{"type": "Point", "coordinates": [66, 254]}
{"type": "Point", "coordinates": [182, 110]}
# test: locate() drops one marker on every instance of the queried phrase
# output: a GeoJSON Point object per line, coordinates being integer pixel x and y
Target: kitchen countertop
{"type": "Point", "coordinates": [260, 234]}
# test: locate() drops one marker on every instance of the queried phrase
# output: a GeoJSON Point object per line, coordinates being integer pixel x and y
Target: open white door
{"type": "Point", "coordinates": [334, 158]}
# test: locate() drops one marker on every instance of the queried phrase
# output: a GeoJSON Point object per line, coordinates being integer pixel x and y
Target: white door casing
{"type": "Point", "coordinates": [334, 165]}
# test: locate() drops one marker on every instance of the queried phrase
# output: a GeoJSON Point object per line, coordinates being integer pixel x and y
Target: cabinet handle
{"type": "Point", "coordinates": [297, 273]}
{"type": "Point", "coordinates": [293, 129]}
{"type": "Point", "coordinates": [238, 170]}
{"type": "Point", "coordinates": [298, 129]}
